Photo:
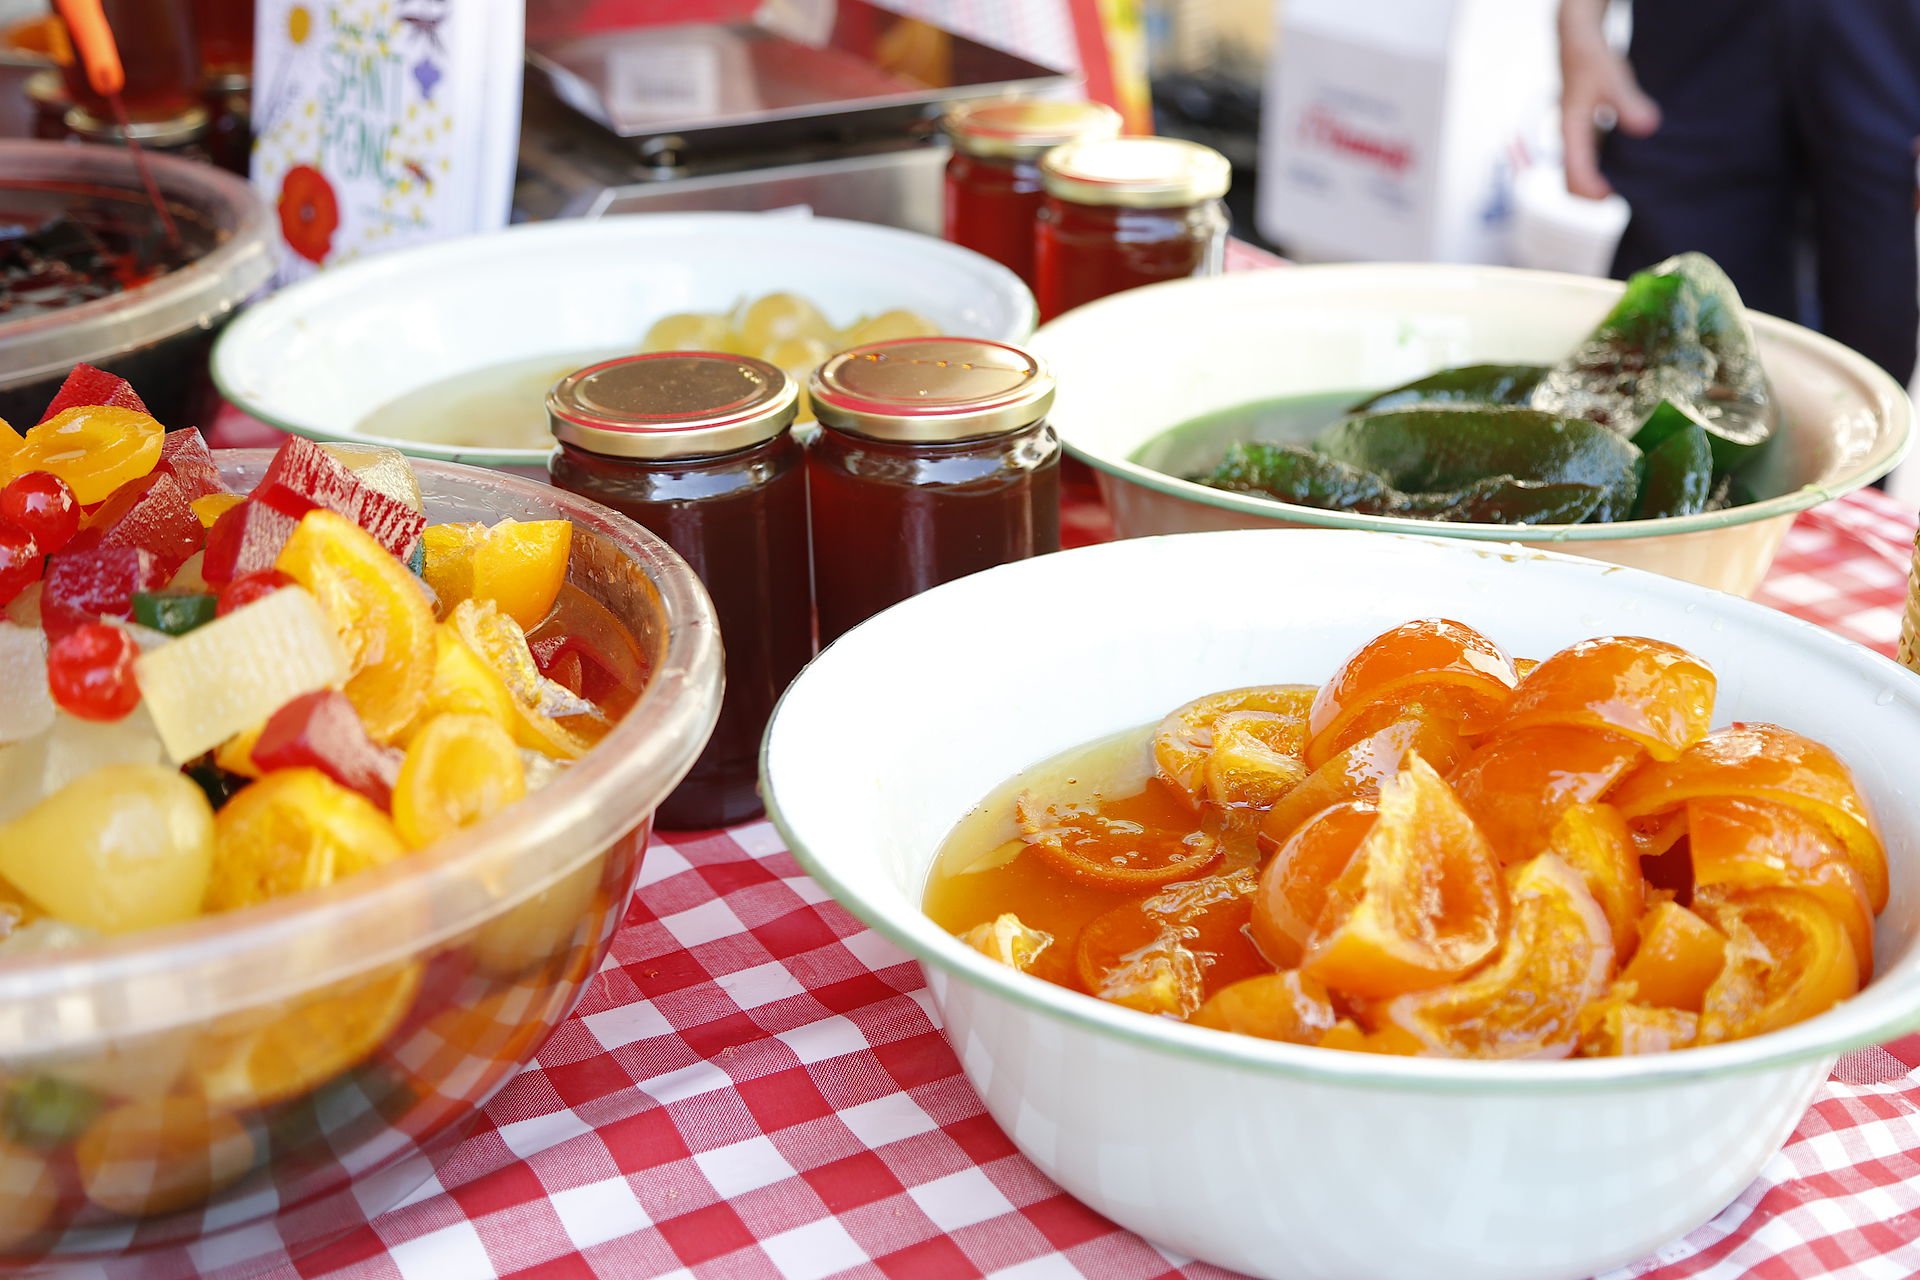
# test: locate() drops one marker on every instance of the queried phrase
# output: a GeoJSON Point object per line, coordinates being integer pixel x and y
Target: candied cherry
{"type": "Point", "coordinates": [20, 561]}
{"type": "Point", "coordinates": [42, 504]}
{"type": "Point", "coordinates": [248, 587]}
{"type": "Point", "coordinates": [90, 672]}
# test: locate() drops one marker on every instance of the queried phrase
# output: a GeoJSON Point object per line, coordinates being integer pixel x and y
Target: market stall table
{"type": "Point", "coordinates": [754, 1085]}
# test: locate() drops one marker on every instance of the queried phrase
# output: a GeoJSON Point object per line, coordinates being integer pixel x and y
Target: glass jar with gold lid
{"type": "Point", "coordinates": [697, 447]}
{"type": "Point", "coordinates": [934, 460]}
{"type": "Point", "coordinates": [993, 189]}
{"type": "Point", "coordinates": [1121, 212]}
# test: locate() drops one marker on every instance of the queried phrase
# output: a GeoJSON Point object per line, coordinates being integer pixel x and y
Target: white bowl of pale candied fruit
{"type": "Point", "coordinates": [1357, 906]}
{"type": "Point", "coordinates": [324, 778]}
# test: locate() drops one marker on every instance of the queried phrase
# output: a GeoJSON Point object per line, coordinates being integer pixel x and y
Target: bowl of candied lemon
{"type": "Point", "coordinates": [1356, 906]}
{"type": "Point", "coordinates": [324, 780]}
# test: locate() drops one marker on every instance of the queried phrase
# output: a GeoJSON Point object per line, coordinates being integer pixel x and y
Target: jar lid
{"type": "Point", "coordinates": [175, 131]}
{"type": "Point", "coordinates": [1138, 173]}
{"type": "Point", "coordinates": [931, 390]}
{"type": "Point", "coordinates": [45, 88]}
{"type": "Point", "coordinates": [672, 404]}
{"type": "Point", "coordinates": [1025, 128]}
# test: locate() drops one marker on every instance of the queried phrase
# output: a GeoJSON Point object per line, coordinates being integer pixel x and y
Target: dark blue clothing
{"type": "Point", "coordinates": [1785, 123]}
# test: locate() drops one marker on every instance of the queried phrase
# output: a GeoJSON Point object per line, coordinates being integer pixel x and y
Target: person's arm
{"type": "Point", "coordinates": [1593, 78]}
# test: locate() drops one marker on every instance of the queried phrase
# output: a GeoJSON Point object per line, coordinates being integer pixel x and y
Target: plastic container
{"type": "Point", "coordinates": [697, 447]}
{"type": "Point", "coordinates": [487, 938]}
{"type": "Point", "coordinates": [159, 335]}
{"type": "Point", "coordinates": [934, 461]}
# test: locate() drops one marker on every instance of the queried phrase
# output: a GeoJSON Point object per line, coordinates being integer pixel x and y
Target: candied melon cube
{"type": "Point", "coordinates": [184, 456]}
{"type": "Point", "coordinates": [87, 385]}
{"type": "Point", "coordinates": [321, 730]}
{"type": "Point", "coordinates": [303, 476]}
{"type": "Point", "coordinates": [152, 514]}
{"type": "Point", "coordinates": [383, 469]}
{"type": "Point", "coordinates": [86, 584]}
{"type": "Point", "coordinates": [245, 539]}
{"type": "Point", "coordinates": [236, 671]}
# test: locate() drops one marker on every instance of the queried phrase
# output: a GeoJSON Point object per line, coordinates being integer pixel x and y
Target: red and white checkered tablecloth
{"type": "Point", "coordinates": [755, 1085]}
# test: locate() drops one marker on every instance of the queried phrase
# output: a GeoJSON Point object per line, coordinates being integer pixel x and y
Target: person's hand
{"type": "Point", "coordinates": [1595, 79]}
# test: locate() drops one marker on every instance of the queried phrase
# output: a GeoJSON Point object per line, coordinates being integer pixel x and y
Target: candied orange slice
{"type": "Point", "coordinates": [1128, 959]}
{"type": "Point", "coordinates": [446, 557]}
{"type": "Point", "coordinates": [211, 506]}
{"type": "Point", "coordinates": [1433, 656]}
{"type": "Point", "coordinates": [1678, 958]}
{"type": "Point", "coordinates": [1296, 880]}
{"type": "Point", "coordinates": [539, 704]}
{"type": "Point", "coordinates": [1255, 759]}
{"type": "Point", "coordinates": [145, 1159]}
{"type": "Point", "coordinates": [1009, 940]}
{"type": "Point", "coordinates": [318, 1039]}
{"type": "Point", "coordinates": [1139, 842]}
{"type": "Point", "coordinates": [1654, 693]}
{"type": "Point", "coordinates": [95, 448]}
{"type": "Point", "coordinates": [378, 609]}
{"type": "Point", "coordinates": [1557, 957]}
{"type": "Point", "coordinates": [1359, 769]}
{"type": "Point", "coordinates": [1135, 943]}
{"type": "Point", "coordinates": [1653, 835]}
{"type": "Point", "coordinates": [1419, 904]}
{"type": "Point", "coordinates": [1765, 762]}
{"type": "Point", "coordinates": [1788, 958]}
{"type": "Point", "coordinates": [292, 831]}
{"type": "Point", "coordinates": [458, 770]}
{"type": "Point", "coordinates": [1184, 739]}
{"type": "Point", "coordinates": [1592, 839]}
{"type": "Point", "coordinates": [1617, 1025]}
{"type": "Point", "coordinates": [520, 565]}
{"type": "Point", "coordinates": [1349, 1035]}
{"type": "Point", "coordinates": [1517, 785]}
{"type": "Point", "coordinates": [1273, 1006]}
{"type": "Point", "coordinates": [1750, 844]}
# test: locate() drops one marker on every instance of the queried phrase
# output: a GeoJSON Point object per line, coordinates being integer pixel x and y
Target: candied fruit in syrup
{"type": "Point", "coordinates": [319, 1039]}
{"type": "Point", "coordinates": [87, 385]}
{"type": "Point", "coordinates": [1007, 939]}
{"type": "Point", "coordinates": [1285, 1006]}
{"type": "Point", "coordinates": [382, 469]}
{"type": "Point", "coordinates": [145, 1159]}
{"type": "Point", "coordinates": [1358, 770]}
{"type": "Point", "coordinates": [520, 565]}
{"type": "Point", "coordinates": [151, 514]}
{"type": "Point", "coordinates": [1143, 843]}
{"type": "Point", "coordinates": [1131, 961]}
{"type": "Point", "coordinates": [1616, 1025]}
{"type": "Point", "coordinates": [21, 561]}
{"type": "Point", "coordinates": [1738, 845]}
{"type": "Point", "coordinates": [95, 449]}
{"type": "Point", "coordinates": [378, 610]}
{"type": "Point", "coordinates": [1593, 840]}
{"type": "Point", "coordinates": [1295, 882]}
{"type": "Point", "coordinates": [1655, 693]}
{"type": "Point", "coordinates": [1255, 760]}
{"type": "Point", "coordinates": [613, 670]}
{"type": "Point", "coordinates": [1184, 740]}
{"type": "Point", "coordinates": [90, 672]}
{"type": "Point", "coordinates": [1205, 918]}
{"type": "Point", "coordinates": [42, 504]}
{"type": "Point", "coordinates": [459, 770]}
{"type": "Point", "coordinates": [1556, 958]}
{"type": "Point", "coordinates": [463, 684]}
{"type": "Point", "coordinates": [321, 730]}
{"type": "Point", "coordinates": [245, 539]}
{"type": "Point", "coordinates": [303, 476]}
{"type": "Point", "coordinates": [1420, 903]}
{"type": "Point", "coordinates": [1678, 958]}
{"type": "Point", "coordinates": [211, 507]}
{"type": "Point", "coordinates": [1788, 958]}
{"type": "Point", "coordinates": [228, 676]}
{"type": "Point", "coordinates": [539, 704]}
{"type": "Point", "coordinates": [85, 584]}
{"type": "Point", "coordinates": [447, 561]}
{"type": "Point", "coordinates": [184, 456]}
{"type": "Point", "coordinates": [1425, 658]}
{"type": "Point", "coordinates": [292, 831]}
{"type": "Point", "coordinates": [1518, 784]}
{"type": "Point", "coordinates": [1764, 762]}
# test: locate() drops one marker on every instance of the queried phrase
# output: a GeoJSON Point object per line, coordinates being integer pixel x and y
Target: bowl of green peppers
{"type": "Point", "coordinates": [1655, 423]}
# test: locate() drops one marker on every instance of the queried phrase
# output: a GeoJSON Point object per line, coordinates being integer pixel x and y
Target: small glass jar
{"type": "Point", "coordinates": [934, 460]}
{"type": "Point", "coordinates": [993, 189]}
{"type": "Point", "coordinates": [696, 447]}
{"type": "Point", "coordinates": [1122, 212]}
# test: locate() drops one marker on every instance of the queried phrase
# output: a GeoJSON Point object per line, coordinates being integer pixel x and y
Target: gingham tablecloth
{"type": "Point", "coordinates": [755, 1085]}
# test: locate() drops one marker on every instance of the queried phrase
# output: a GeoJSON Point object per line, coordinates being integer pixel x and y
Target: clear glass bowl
{"type": "Point", "coordinates": [313, 1060]}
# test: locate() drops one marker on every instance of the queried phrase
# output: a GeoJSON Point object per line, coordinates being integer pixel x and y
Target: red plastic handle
{"type": "Point", "coordinates": [93, 38]}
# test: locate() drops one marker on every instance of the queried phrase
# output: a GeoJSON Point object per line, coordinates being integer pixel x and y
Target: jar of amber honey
{"type": "Point", "coordinates": [1121, 212]}
{"type": "Point", "coordinates": [993, 189]}
{"type": "Point", "coordinates": [934, 460]}
{"type": "Point", "coordinates": [697, 447]}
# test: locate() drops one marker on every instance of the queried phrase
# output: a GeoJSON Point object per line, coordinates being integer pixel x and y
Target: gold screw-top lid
{"type": "Point", "coordinates": [672, 404]}
{"type": "Point", "coordinates": [1025, 128]}
{"type": "Point", "coordinates": [931, 390]}
{"type": "Point", "coordinates": [1136, 173]}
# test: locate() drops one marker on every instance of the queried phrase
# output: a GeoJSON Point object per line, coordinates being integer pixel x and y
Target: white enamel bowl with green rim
{"type": "Point", "coordinates": [317, 358]}
{"type": "Point", "coordinates": [1285, 1160]}
{"type": "Point", "coordinates": [1136, 364]}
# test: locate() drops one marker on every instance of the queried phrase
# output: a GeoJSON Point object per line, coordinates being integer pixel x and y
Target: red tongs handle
{"type": "Point", "coordinates": [93, 40]}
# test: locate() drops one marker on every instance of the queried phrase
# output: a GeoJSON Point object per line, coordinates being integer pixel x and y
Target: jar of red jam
{"type": "Point", "coordinates": [934, 460]}
{"type": "Point", "coordinates": [1121, 212]}
{"type": "Point", "coordinates": [993, 178]}
{"type": "Point", "coordinates": [696, 447]}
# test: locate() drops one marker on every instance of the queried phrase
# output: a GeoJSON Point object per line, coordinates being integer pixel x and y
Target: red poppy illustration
{"type": "Point", "coordinates": [309, 212]}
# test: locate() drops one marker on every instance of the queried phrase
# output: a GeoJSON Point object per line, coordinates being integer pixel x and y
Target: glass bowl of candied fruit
{"type": "Point", "coordinates": [324, 781]}
{"type": "Point", "coordinates": [1361, 905]}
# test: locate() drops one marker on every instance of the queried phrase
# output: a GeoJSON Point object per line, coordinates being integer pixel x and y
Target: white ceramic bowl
{"type": "Point", "coordinates": [1285, 1160]}
{"type": "Point", "coordinates": [318, 357]}
{"type": "Point", "coordinates": [1192, 347]}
